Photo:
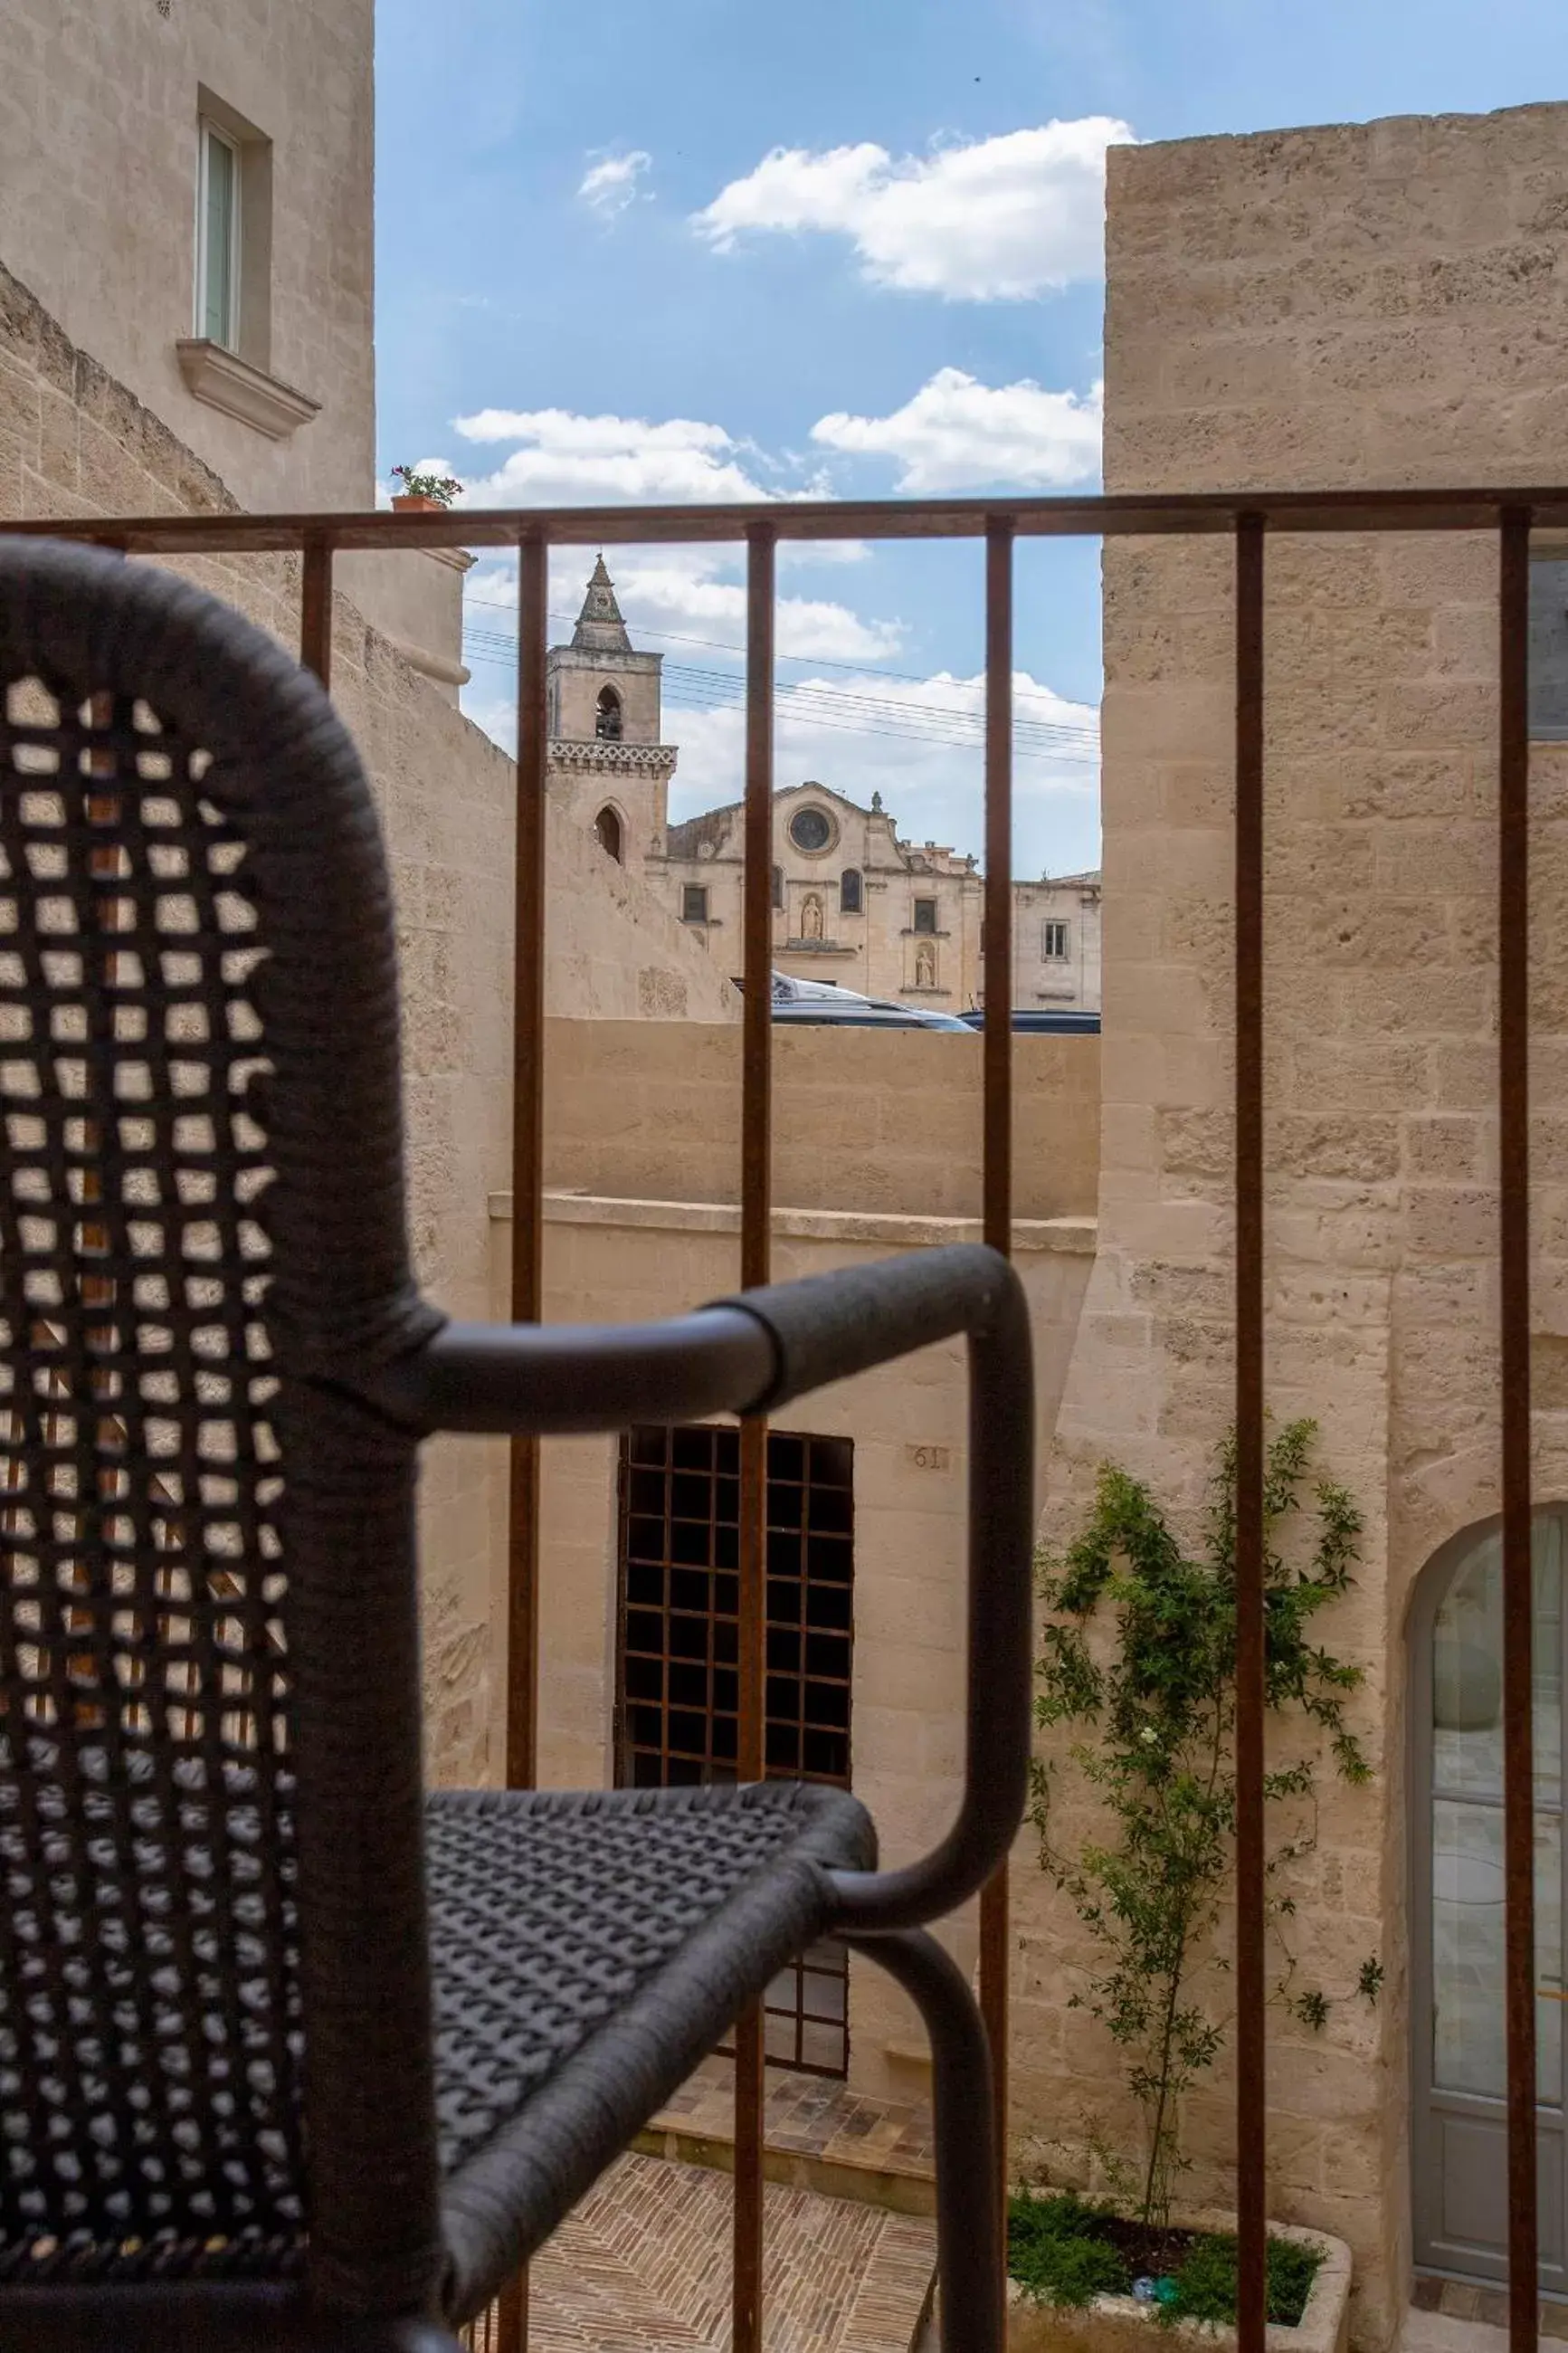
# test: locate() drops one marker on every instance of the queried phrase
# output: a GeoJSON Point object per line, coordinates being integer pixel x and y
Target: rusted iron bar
{"type": "Point", "coordinates": [1513, 1143]}
{"type": "Point", "coordinates": [1118, 515]}
{"type": "Point", "coordinates": [316, 607]}
{"type": "Point", "coordinates": [527, 1151]}
{"type": "Point", "coordinates": [1251, 2135]}
{"type": "Point", "coordinates": [997, 1149]}
{"type": "Point", "coordinates": [756, 1252]}
{"type": "Point", "coordinates": [527, 1216]}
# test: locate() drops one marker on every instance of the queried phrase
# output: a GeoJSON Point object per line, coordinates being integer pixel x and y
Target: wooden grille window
{"type": "Point", "coordinates": [678, 1696]}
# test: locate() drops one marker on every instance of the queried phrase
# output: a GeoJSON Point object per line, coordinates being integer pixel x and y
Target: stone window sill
{"type": "Point", "coordinates": [224, 381]}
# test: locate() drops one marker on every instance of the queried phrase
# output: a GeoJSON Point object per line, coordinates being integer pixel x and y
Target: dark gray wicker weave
{"type": "Point", "coordinates": [289, 2055]}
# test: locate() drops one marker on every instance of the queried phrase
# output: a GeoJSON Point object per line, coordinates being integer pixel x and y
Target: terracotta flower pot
{"type": "Point", "coordinates": [404, 504]}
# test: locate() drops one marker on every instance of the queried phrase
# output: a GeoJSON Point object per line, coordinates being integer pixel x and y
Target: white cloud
{"type": "Point", "coordinates": [561, 459]}
{"type": "Point", "coordinates": [689, 597]}
{"type": "Point", "coordinates": [680, 594]}
{"type": "Point", "coordinates": [610, 184]}
{"type": "Point", "coordinates": [933, 787]}
{"type": "Point", "coordinates": [956, 433]}
{"type": "Point", "coordinates": [991, 220]}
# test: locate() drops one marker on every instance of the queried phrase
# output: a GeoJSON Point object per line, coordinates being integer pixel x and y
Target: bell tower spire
{"type": "Point", "coordinates": [604, 701]}
{"type": "Point", "coordinates": [600, 629]}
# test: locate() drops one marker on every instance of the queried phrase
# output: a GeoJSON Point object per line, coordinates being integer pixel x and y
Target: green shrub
{"type": "Point", "coordinates": [1058, 2253]}
{"type": "Point", "coordinates": [1205, 2281]}
{"type": "Point", "coordinates": [1054, 2254]}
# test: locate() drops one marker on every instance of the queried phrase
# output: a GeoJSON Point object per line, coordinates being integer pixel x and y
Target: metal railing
{"type": "Point", "coordinates": [1249, 519]}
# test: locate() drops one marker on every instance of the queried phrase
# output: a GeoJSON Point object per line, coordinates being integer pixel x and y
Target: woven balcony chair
{"type": "Point", "coordinates": [293, 2054]}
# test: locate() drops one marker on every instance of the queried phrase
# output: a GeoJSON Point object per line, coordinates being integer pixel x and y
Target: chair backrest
{"type": "Point", "coordinates": [213, 1996]}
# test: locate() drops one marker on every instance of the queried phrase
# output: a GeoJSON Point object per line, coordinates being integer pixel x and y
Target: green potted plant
{"type": "Point", "coordinates": [422, 493]}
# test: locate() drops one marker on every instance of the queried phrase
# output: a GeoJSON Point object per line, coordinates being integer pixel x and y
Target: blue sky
{"type": "Point", "coordinates": [698, 248]}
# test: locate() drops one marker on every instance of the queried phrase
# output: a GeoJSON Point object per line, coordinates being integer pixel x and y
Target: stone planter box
{"type": "Point", "coordinates": [1118, 2323]}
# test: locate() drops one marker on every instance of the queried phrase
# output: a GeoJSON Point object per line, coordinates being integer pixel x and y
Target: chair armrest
{"type": "Point", "coordinates": [557, 1379]}
{"type": "Point", "coordinates": [752, 1354]}
{"type": "Point", "coordinates": [999, 1666]}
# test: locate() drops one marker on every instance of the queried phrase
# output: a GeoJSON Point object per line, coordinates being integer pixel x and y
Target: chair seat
{"type": "Point", "coordinates": [588, 1949]}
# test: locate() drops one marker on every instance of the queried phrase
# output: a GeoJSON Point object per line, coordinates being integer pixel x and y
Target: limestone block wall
{"type": "Point", "coordinates": [1380, 303]}
{"type": "Point", "coordinates": [73, 441]}
{"type": "Point", "coordinates": [863, 1119]}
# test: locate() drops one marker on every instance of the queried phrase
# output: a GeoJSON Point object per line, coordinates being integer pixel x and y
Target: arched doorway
{"type": "Point", "coordinates": [607, 825]}
{"type": "Point", "coordinates": [1459, 2137]}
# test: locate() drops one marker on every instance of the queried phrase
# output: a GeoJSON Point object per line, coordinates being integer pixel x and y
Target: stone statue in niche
{"type": "Point", "coordinates": [925, 965]}
{"type": "Point", "coordinates": [811, 916]}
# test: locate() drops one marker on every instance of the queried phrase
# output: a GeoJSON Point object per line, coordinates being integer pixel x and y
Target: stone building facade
{"type": "Point", "coordinates": [188, 191]}
{"type": "Point", "coordinates": [1372, 305]}
{"type": "Point", "coordinates": [854, 902]}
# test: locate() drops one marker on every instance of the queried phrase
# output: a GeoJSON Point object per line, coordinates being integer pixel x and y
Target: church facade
{"type": "Point", "coordinates": [854, 902]}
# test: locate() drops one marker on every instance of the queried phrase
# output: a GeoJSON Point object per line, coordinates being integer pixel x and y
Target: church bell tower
{"type": "Point", "coordinates": [606, 759]}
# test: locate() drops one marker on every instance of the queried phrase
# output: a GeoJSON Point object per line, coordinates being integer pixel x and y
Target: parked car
{"type": "Point", "coordinates": [822, 1002]}
{"type": "Point", "coordinates": [1068, 1021]}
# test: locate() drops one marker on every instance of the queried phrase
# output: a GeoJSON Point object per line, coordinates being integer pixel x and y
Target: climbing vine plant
{"type": "Point", "coordinates": [1152, 1697]}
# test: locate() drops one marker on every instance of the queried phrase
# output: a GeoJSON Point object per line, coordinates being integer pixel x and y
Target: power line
{"type": "Point", "coordinates": [845, 713]}
{"type": "Point", "coordinates": [724, 682]}
{"type": "Point", "coordinates": [878, 706]}
{"type": "Point", "coordinates": [717, 646]}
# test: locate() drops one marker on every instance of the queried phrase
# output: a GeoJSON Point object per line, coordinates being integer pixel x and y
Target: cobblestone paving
{"type": "Point", "coordinates": [643, 2266]}
{"type": "Point", "coordinates": [809, 2117]}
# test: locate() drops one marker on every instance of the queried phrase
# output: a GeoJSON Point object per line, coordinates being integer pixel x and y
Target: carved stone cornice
{"type": "Point", "coordinates": [605, 757]}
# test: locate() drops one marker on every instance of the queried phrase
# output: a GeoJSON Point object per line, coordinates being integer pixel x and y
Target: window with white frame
{"type": "Point", "coordinates": [217, 239]}
{"type": "Point", "coordinates": [1054, 940]}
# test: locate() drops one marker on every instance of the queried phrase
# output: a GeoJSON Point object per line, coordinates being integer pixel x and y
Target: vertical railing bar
{"type": "Point", "coordinates": [996, 1199]}
{"type": "Point", "coordinates": [1251, 2132]}
{"type": "Point", "coordinates": [316, 607]}
{"type": "Point", "coordinates": [757, 1238]}
{"type": "Point", "coordinates": [527, 1213]}
{"type": "Point", "coordinates": [527, 1147]}
{"type": "Point", "coordinates": [1513, 1143]}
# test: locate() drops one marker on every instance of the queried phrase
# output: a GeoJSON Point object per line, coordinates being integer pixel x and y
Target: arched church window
{"type": "Point", "coordinates": [607, 825]}
{"type": "Point", "coordinates": [850, 890]}
{"type": "Point", "coordinates": [607, 716]}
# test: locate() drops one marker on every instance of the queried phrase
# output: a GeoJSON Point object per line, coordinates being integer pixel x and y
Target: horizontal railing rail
{"type": "Point", "coordinates": [1111, 515]}
{"type": "Point", "coordinates": [1249, 518]}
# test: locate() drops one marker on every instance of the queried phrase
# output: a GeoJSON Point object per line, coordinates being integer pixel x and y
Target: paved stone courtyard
{"type": "Point", "coordinates": [820, 2135]}
{"type": "Point", "coordinates": [643, 2266]}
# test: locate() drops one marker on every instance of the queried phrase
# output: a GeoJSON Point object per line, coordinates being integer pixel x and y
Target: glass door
{"type": "Point", "coordinates": [1460, 2135]}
